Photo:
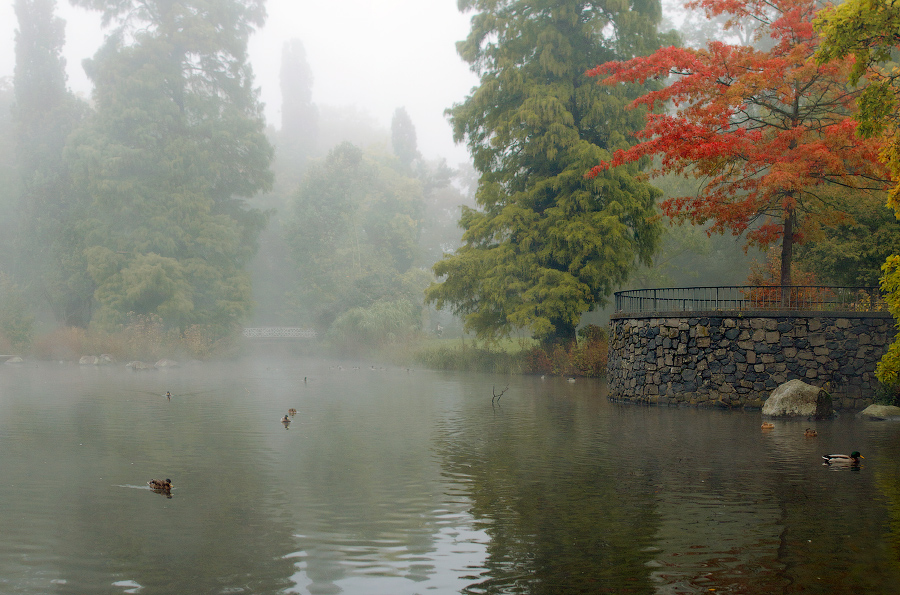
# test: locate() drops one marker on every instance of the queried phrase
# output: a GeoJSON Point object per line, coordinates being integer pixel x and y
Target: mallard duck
{"type": "Point", "coordinates": [810, 433]}
{"type": "Point", "coordinates": [292, 411]}
{"type": "Point", "coordinates": [168, 395]}
{"type": "Point", "coordinates": [285, 420]}
{"type": "Point", "coordinates": [160, 484]}
{"type": "Point", "coordinates": [851, 459]}
{"type": "Point", "coordinates": [767, 425]}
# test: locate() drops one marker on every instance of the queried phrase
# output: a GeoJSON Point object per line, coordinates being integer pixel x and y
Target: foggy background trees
{"type": "Point", "coordinates": [166, 194]}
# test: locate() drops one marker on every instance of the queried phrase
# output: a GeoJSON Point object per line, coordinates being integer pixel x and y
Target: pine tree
{"type": "Point", "coordinates": [545, 244]}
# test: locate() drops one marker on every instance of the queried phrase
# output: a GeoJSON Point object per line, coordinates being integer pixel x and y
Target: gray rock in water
{"type": "Point", "coordinates": [880, 412]}
{"type": "Point", "coordinates": [15, 360]}
{"type": "Point", "coordinates": [136, 365]}
{"type": "Point", "coordinates": [89, 360]}
{"type": "Point", "coordinates": [795, 398]}
{"type": "Point", "coordinates": [166, 363]}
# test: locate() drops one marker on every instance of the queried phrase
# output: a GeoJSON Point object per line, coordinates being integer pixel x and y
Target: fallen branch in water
{"type": "Point", "coordinates": [496, 398]}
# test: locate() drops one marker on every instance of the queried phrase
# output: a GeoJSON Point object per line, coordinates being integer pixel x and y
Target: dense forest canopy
{"type": "Point", "coordinates": [167, 199]}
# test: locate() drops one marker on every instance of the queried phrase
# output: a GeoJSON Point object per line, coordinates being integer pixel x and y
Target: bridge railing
{"type": "Point", "coordinates": [279, 332]}
{"type": "Point", "coordinates": [750, 297]}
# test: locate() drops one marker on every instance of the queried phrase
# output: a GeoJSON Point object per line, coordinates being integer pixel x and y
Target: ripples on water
{"type": "Point", "coordinates": [394, 481]}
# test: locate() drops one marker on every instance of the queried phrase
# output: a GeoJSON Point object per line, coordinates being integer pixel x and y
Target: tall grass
{"type": "Point", "coordinates": [586, 357]}
{"type": "Point", "coordinates": [144, 338]}
{"type": "Point", "coordinates": [472, 358]}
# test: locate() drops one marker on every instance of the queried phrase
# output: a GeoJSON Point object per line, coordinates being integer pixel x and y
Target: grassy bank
{"type": "Point", "coordinates": [586, 358]}
{"type": "Point", "coordinates": [145, 338]}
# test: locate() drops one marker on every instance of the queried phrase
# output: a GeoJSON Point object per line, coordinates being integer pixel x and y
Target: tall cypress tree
{"type": "Point", "coordinates": [176, 146]}
{"type": "Point", "coordinates": [545, 244]}
{"type": "Point", "coordinates": [299, 115]}
{"type": "Point", "coordinates": [45, 113]}
{"type": "Point", "coordinates": [403, 137]}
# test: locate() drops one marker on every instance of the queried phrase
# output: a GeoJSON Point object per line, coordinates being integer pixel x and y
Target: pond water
{"type": "Point", "coordinates": [396, 481]}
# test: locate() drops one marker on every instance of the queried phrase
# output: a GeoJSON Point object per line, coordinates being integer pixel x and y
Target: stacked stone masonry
{"type": "Point", "coordinates": [729, 360]}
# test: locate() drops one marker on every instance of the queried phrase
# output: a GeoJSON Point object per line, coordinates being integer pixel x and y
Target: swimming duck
{"type": "Point", "coordinates": [810, 433]}
{"type": "Point", "coordinates": [851, 459]}
{"type": "Point", "coordinates": [767, 425]}
{"type": "Point", "coordinates": [285, 420]}
{"type": "Point", "coordinates": [160, 484]}
{"type": "Point", "coordinates": [292, 411]}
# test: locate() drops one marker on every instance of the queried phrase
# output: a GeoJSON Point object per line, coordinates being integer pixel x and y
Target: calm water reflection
{"type": "Point", "coordinates": [399, 482]}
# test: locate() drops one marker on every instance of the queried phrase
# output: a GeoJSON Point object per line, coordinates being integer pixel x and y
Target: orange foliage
{"type": "Point", "coordinates": [766, 273]}
{"type": "Point", "coordinates": [764, 129]}
{"type": "Point", "coordinates": [587, 357]}
{"type": "Point", "coordinates": [767, 292]}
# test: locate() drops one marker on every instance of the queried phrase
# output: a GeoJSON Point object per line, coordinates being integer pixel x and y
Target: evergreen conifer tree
{"type": "Point", "coordinates": [545, 244]}
{"type": "Point", "coordinates": [176, 145]}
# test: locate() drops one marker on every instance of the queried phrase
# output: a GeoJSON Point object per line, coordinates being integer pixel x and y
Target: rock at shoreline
{"type": "Point", "coordinates": [795, 398]}
{"type": "Point", "coordinates": [167, 363]}
{"type": "Point", "coordinates": [881, 412]}
{"type": "Point", "coordinates": [136, 365]}
{"type": "Point", "coordinates": [93, 360]}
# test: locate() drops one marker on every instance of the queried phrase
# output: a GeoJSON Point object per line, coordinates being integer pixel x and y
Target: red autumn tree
{"type": "Point", "coordinates": [769, 130]}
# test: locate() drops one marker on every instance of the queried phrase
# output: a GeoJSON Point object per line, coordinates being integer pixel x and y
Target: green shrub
{"type": "Point", "coordinates": [888, 394]}
{"type": "Point", "coordinates": [382, 323]}
{"type": "Point", "coordinates": [16, 319]}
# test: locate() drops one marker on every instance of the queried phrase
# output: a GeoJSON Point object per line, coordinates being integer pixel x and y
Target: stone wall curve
{"type": "Point", "coordinates": [735, 359]}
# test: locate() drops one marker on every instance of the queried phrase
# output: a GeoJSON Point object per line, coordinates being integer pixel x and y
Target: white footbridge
{"type": "Point", "coordinates": [279, 332]}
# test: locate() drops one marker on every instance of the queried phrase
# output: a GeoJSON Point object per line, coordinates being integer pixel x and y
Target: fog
{"type": "Point", "coordinates": [365, 198]}
{"type": "Point", "coordinates": [376, 55]}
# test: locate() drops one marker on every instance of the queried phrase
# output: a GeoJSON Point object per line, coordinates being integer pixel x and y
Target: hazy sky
{"type": "Point", "coordinates": [377, 54]}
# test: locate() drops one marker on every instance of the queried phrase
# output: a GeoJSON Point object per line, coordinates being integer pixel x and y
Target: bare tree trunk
{"type": "Point", "coordinates": [787, 255]}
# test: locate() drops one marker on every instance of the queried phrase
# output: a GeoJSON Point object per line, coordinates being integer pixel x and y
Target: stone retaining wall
{"type": "Point", "coordinates": [731, 359]}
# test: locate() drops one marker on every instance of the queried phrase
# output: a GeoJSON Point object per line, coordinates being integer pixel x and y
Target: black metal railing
{"type": "Point", "coordinates": [749, 297]}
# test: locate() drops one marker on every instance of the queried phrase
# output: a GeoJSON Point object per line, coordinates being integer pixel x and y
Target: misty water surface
{"type": "Point", "coordinates": [399, 482]}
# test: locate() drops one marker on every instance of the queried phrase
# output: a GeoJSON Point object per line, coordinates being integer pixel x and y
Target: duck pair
{"type": "Point", "coordinates": [160, 484]}
{"type": "Point", "coordinates": [809, 433]}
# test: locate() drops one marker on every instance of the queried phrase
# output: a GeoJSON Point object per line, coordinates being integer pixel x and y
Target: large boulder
{"type": "Point", "coordinates": [881, 412]}
{"type": "Point", "coordinates": [795, 398]}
